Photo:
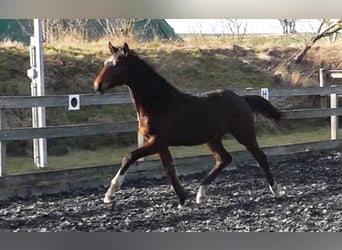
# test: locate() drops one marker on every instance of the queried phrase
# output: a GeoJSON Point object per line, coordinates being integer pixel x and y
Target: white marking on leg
{"type": "Point", "coordinates": [277, 190]}
{"type": "Point", "coordinates": [118, 180]}
{"type": "Point", "coordinates": [115, 185]}
{"type": "Point", "coordinates": [201, 194]}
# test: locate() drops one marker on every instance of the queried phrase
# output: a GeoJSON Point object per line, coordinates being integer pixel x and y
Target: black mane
{"type": "Point", "coordinates": [144, 68]}
{"type": "Point", "coordinates": [156, 90]}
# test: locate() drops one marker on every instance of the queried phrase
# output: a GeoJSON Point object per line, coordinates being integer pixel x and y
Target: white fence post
{"type": "Point", "coordinates": [36, 73]}
{"type": "Point", "coordinates": [334, 118]}
{"type": "Point", "coordinates": [3, 169]}
{"type": "Point", "coordinates": [322, 84]}
{"type": "Point", "coordinates": [334, 74]}
{"type": "Point", "coordinates": [322, 77]}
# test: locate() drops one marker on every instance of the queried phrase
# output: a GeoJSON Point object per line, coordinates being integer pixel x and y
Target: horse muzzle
{"type": "Point", "coordinates": [97, 88]}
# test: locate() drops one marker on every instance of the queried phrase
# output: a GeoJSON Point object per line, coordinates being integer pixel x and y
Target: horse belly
{"type": "Point", "coordinates": [195, 131]}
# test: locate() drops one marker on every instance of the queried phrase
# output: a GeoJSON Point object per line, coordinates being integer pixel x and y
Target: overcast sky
{"type": "Point", "coordinates": [258, 26]}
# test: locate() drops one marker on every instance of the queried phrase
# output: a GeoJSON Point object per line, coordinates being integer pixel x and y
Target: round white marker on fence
{"type": "Point", "coordinates": [74, 102]}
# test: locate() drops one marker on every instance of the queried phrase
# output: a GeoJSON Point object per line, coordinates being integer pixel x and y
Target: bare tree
{"type": "Point", "coordinates": [55, 29]}
{"type": "Point", "coordinates": [26, 26]}
{"type": "Point", "coordinates": [79, 27]}
{"type": "Point", "coordinates": [237, 27]}
{"type": "Point", "coordinates": [118, 27]}
{"type": "Point", "coordinates": [327, 28]}
{"type": "Point", "coordinates": [288, 25]}
{"type": "Point", "coordinates": [111, 27]}
{"type": "Point", "coordinates": [87, 29]}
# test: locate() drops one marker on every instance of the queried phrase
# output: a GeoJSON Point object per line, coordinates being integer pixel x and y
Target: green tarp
{"type": "Point", "coordinates": [143, 29]}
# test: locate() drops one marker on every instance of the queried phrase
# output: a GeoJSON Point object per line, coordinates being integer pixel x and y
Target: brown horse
{"type": "Point", "coordinates": [168, 117]}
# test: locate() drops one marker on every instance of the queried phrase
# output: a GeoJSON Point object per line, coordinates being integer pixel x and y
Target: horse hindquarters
{"type": "Point", "coordinates": [243, 130]}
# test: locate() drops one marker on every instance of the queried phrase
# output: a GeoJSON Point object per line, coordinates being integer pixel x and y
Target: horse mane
{"type": "Point", "coordinates": [156, 89]}
{"type": "Point", "coordinates": [142, 65]}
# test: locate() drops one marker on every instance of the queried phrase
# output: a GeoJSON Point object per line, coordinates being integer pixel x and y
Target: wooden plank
{"type": "Point", "coordinates": [247, 91]}
{"type": "Point", "coordinates": [124, 98]}
{"type": "Point", "coordinates": [33, 101]}
{"type": "Point", "coordinates": [274, 92]}
{"type": "Point", "coordinates": [105, 99]}
{"type": "Point", "coordinates": [62, 100]}
{"type": "Point", "coordinates": [305, 91]}
{"type": "Point", "coordinates": [311, 113]}
{"type": "Point", "coordinates": [66, 131]}
{"type": "Point", "coordinates": [335, 73]}
{"type": "Point", "coordinates": [302, 147]}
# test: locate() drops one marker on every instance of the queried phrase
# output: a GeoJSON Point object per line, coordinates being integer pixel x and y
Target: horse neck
{"type": "Point", "coordinates": [149, 91]}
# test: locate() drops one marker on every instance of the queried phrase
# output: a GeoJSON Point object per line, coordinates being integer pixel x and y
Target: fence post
{"type": "Point", "coordinates": [36, 73]}
{"type": "Point", "coordinates": [3, 169]}
{"type": "Point", "coordinates": [334, 118]}
{"type": "Point", "coordinates": [322, 84]}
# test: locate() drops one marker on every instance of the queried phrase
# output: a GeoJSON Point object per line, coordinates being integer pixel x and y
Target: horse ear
{"type": "Point", "coordinates": [125, 49]}
{"type": "Point", "coordinates": [112, 48]}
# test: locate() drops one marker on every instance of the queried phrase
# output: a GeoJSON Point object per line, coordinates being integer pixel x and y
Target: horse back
{"type": "Point", "coordinates": [196, 119]}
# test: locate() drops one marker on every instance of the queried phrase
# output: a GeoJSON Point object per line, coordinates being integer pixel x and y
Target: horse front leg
{"type": "Point", "coordinates": [169, 167]}
{"type": "Point", "coordinates": [147, 149]}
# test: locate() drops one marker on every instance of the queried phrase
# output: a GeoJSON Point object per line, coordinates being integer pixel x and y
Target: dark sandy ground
{"type": "Point", "coordinates": [239, 200]}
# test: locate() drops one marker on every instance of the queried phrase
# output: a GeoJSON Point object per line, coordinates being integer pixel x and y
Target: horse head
{"type": "Point", "coordinates": [115, 71]}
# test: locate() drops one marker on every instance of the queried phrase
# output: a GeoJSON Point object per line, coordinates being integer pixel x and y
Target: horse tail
{"type": "Point", "coordinates": [261, 105]}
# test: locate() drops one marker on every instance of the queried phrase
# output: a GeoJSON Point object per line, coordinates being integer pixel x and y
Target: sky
{"type": "Point", "coordinates": [254, 26]}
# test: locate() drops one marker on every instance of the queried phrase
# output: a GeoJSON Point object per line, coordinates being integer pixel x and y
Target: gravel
{"type": "Point", "coordinates": [237, 201]}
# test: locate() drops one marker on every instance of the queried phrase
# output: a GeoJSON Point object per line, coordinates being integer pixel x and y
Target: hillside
{"type": "Point", "coordinates": [198, 63]}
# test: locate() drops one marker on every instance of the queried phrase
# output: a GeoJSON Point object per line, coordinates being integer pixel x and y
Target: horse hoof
{"type": "Point", "coordinates": [201, 195]}
{"type": "Point", "coordinates": [200, 200]}
{"type": "Point", "coordinates": [108, 205]}
{"type": "Point", "coordinates": [108, 200]}
{"type": "Point", "coordinates": [276, 190]}
{"type": "Point", "coordinates": [180, 206]}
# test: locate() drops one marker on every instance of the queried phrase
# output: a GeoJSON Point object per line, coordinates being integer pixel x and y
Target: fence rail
{"type": "Point", "coordinates": [112, 99]}
{"type": "Point", "coordinates": [106, 99]}
{"type": "Point", "coordinates": [67, 131]}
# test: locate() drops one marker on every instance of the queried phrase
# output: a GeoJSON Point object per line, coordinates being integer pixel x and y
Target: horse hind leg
{"type": "Point", "coordinates": [261, 158]}
{"type": "Point", "coordinates": [223, 158]}
{"type": "Point", "coordinates": [248, 139]}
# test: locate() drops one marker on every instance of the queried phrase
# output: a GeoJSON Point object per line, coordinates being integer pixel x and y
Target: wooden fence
{"type": "Point", "coordinates": [8, 134]}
